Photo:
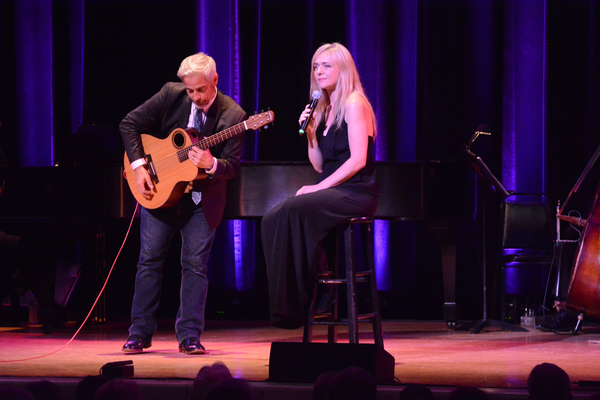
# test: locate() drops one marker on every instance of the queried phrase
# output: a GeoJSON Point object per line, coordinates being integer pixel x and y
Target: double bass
{"type": "Point", "coordinates": [583, 296]}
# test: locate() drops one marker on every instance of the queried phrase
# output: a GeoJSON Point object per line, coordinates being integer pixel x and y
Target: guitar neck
{"type": "Point", "coordinates": [254, 122]}
{"type": "Point", "coordinates": [221, 136]}
{"type": "Point", "coordinates": [213, 140]}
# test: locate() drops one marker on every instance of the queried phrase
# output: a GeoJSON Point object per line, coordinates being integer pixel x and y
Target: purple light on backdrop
{"type": "Point", "coordinates": [524, 97]}
{"type": "Point", "coordinates": [33, 21]}
{"type": "Point", "coordinates": [351, 36]}
{"type": "Point", "coordinates": [202, 27]}
{"type": "Point", "coordinates": [382, 265]}
{"type": "Point", "coordinates": [543, 110]}
{"type": "Point", "coordinates": [406, 87]}
{"type": "Point", "coordinates": [365, 42]}
{"type": "Point", "coordinates": [77, 28]}
{"type": "Point", "coordinates": [257, 79]}
{"type": "Point", "coordinates": [235, 89]}
{"type": "Point", "coordinates": [238, 242]}
{"type": "Point", "coordinates": [236, 84]}
{"type": "Point", "coordinates": [251, 145]}
{"type": "Point", "coordinates": [362, 41]}
{"type": "Point", "coordinates": [402, 123]}
{"type": "Point", "coordinates": [224, 47]}
{"type": "Point", "coordinates": [220, 40]}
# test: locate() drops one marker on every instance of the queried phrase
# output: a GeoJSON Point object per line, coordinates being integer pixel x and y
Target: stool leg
{"type": "Point", "coordinates": [310, 316]}
{"type": "Point", "coordinates": [351, 285]}
{"type": "Point", "coordinates": [332, 330]}
{"type": "Point", "coordinates": [377, 330]}
{"type": "Point", "coordinates": [351, 281]}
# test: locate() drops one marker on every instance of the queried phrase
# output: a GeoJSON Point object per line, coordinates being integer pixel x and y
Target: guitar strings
{"type": "Point", "coordinates": [175, 158]}
{"type": "Point", "coordinates": [181, 155]}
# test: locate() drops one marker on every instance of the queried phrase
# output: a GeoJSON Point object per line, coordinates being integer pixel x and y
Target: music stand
{"type": "Point", "coordinates": [494, 185]}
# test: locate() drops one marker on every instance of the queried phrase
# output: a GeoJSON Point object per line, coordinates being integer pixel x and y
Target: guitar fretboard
{"type": "Point", "coordinates": [213, 140]}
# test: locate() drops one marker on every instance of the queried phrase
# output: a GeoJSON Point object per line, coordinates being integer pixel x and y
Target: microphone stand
{"type": "Point", "coordinates": [492, 182]}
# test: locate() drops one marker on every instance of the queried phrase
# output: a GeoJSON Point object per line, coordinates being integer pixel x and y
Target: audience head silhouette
{"type": "Point", "coordinates": [119, 389]}
{"type": "Point", "coordinates": [548, 382]}
{"type": "Point", "coordinates": [353, 383]}
{"type": "Point", "coordinates": [468, 393]}
{"type": "Point", "coordinates": [87, 386]}
{"type": "Point", "coordinates": [11, 392]}
{"type": "Point", "coordinates": [415, 391]}
{"type": "Point", "coordinates": [207, 377]}
{"type": "Point", "coordinates": [231, 389]}
{"type": "Point", "coordinates": [322, 386]}
{"type": "Point", "coordinates": [44, 390]}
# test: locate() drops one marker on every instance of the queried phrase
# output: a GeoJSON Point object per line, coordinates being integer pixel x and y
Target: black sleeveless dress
{"type": "Point", "coordinates": [293, 230]}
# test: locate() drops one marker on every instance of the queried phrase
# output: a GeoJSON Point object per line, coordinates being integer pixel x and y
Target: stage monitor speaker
{"type": "Point", "coordinates": [305, 362]}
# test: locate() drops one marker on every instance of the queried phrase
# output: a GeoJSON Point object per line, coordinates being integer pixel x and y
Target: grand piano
{"type": "Point", "coordinates": [83, 200]}
{"type": "Point", "coordinates": [433, 192]}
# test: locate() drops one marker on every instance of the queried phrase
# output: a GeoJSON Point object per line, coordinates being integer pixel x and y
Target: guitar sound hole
{"type": "Point", "coordinates": [178, 140]}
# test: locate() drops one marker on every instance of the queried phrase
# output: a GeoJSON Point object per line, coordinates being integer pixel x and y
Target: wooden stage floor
{"type": "Point", "coordinates": [425, 352]}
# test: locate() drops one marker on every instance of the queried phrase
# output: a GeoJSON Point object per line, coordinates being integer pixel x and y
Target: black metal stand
{"type": "Point", "coordinates": [493, 184]}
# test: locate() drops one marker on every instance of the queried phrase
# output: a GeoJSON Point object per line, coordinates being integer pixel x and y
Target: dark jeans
{"type": "Point", "coordinates": [156, 230]}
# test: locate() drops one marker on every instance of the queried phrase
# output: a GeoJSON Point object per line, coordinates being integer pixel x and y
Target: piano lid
{"type": "Point", "coordinates": [428, 190]}
{"type": "Point", "coordinates": [66, 192]}
{"type": "Point", "coordinates": [409, 190]}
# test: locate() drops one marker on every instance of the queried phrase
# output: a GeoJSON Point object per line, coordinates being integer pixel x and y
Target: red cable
{"type": "Point", "coordinates": [95, 302]}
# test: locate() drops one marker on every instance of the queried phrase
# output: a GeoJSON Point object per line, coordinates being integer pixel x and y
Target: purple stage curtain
{"type": "Point", "coordinates": [434, 71]}
{"type": "Point", "coordinates": [34, 82]}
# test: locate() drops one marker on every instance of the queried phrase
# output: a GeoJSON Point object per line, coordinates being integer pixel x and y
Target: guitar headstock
{"type": "Point", "coordinates": [259, 120]}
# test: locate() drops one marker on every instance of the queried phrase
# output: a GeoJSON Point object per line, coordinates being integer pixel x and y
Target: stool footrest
{"type": "Point", "coordinates": [344, 322]}
{"type": "Point", "coordinates": [350, 274]}
{"type": "Point", "coordinates": [343, 281]}
{"type": "Point", "coordinates": [330, 323]}
{"type": "Point", "coordinates": [326, 274]}
{"type": "Point", "coordinates": [323, 315]}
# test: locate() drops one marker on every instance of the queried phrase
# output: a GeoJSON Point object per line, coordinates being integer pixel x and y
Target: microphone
{"type": "Point", "coordinates": [316, 95]}
{"type": "Point", "coordinates": [481, 130]}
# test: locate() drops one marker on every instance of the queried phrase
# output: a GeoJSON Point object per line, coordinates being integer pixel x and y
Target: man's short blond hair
{"type": "Point", "coordinates": [198, 63]}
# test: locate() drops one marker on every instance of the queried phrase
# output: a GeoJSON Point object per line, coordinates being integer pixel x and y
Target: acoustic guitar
{"type": "Point", "coordinates": [168, 160]}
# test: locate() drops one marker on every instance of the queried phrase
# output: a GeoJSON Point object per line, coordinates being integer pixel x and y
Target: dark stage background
{"type": "Point", "coordinates": [434, 70]}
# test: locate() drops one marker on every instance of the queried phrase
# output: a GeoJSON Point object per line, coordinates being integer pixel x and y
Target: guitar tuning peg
{"type": "Point", "coordinates": [272, 123]}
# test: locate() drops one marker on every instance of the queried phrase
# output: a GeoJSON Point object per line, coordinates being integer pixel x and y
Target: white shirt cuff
{"type": "Point", "coordinates": [214, 167]}
{"type": "Point", "coordinates": [137, 163]}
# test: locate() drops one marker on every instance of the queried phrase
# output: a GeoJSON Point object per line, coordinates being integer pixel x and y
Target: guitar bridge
{"type": "Point", "coordinates": [151, 169]}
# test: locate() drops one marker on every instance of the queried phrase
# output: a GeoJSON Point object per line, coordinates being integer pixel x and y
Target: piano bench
{"type": "Point", "coordinates": [333, 279]}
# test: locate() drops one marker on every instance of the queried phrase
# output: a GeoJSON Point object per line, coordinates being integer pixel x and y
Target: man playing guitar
{"type": "Point", "coordinates": [196, 103]}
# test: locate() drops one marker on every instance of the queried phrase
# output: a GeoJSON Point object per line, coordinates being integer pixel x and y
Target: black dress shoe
{"type": "Point", "coordinates": [191, 346]}
{"type": "Point", "coordinates": [136, 344]}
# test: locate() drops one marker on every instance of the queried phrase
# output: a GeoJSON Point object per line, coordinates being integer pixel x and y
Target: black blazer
{"type": "Point", "coordinates": [170, 109]}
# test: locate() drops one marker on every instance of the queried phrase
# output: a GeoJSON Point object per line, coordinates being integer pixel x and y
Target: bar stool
{"type": "Point", "coordinates": [330, 317]}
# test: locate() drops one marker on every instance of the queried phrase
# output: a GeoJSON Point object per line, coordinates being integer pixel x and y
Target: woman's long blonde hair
{"type": "Point", "coordinates": [348, 83]}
